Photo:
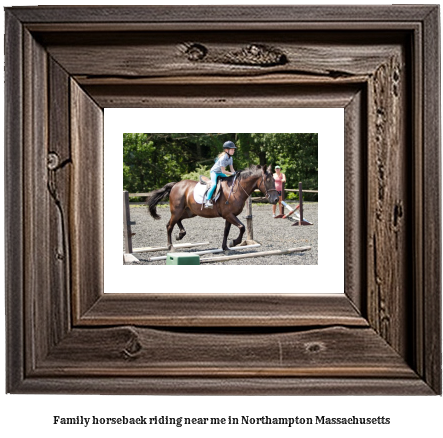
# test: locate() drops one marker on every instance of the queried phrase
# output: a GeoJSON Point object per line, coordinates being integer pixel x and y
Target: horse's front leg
{"type": "Point", "coordinates": [225, 235]}
{"type": "Point", "coordinates": [242, 229]}
{"type": "Point", "coordinates": [231, 219]}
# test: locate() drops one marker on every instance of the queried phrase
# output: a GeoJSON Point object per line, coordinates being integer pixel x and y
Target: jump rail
{"type": "Point", "coordinates": [165, 248]}
{"type": "Point", "coordinates": [255, 254]}
{"type": "Point", "coordinates": [208, 251]}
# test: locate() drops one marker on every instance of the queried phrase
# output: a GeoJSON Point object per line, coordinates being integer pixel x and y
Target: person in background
{"type": "Point", "coordinates": [280, 178]}
{"type": "Point", "coordinates": [219, 168]}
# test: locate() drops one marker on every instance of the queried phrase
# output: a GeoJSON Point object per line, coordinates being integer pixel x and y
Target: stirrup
{"type": "Point", "coordinates": [208, 204]}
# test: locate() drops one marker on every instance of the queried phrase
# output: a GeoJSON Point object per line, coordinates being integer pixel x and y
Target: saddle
{"type": "Point", "coordinates": [204, 185]}
{"type": "Point", "coordinates": [205, 180]}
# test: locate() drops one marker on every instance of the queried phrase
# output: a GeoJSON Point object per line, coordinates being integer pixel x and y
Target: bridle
{"type": "Point", "coordinates": [266, 190]}
{"type": "Point", "coordinates": [258, 186]}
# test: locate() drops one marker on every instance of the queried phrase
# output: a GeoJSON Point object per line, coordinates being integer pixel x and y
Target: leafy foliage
{"type": "Point", "coordinates": [152, 160]}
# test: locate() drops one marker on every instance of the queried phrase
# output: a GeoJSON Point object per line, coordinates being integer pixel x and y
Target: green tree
{"type": "Point", "coordinates": [152, 160]}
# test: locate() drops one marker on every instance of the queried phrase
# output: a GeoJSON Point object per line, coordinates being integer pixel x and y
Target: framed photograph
{"type": "Point", "coordinates": [267, 239]}
{"type": "Point", "coordinates": [65, 65]}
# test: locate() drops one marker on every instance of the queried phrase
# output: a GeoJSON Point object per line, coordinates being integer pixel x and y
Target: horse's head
{"type": "Point", "coordinates": [266, 184]}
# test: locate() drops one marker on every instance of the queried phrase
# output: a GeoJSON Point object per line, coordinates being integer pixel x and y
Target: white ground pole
{"type": "Point", "coordinates": [209, 251]}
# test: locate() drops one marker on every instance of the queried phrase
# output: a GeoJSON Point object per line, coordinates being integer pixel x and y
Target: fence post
{"type": "Point", "coordinates": [127, 223]}
{"type": "Point", "coordinates": [300, 200]}
{"type": "Point", "coordinates": [249, 230]}
{"type": "Point", "coordinates": [283, 198]}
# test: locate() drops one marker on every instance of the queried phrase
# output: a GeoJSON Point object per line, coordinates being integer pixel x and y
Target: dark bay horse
{"type": "Point", "coordinates": [234, 193]}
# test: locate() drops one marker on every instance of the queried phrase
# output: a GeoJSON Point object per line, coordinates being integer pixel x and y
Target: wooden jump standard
{"type": "Point", "coordinates": [255, 254]}
{"type": "Point", "coordinates": [301, 219]}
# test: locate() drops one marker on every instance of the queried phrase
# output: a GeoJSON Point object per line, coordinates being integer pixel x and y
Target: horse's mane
{"type": "Point", "coordinates": [249, 171]}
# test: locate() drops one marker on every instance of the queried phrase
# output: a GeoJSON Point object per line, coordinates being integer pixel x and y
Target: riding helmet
{"type": "Point", "coordinates": [229, 145]}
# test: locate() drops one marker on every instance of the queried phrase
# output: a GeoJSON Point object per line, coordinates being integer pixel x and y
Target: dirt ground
{"type": "Point", "coordinates": [272, 234]}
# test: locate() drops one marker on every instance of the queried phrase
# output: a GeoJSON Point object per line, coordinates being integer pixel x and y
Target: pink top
{"type": "Point", "coordinates": [278, 181]}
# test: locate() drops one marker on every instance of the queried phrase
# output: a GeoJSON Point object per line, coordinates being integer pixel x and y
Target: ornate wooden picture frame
{"type": "Point", "coordinates": [65, 64]}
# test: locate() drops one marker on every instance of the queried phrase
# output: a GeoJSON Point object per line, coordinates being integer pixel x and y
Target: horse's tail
{"type": "Point", "coordinates": [156, 196]}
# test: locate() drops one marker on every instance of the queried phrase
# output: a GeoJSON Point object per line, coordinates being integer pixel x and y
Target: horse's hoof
{"type": "Point", "coordinates": [171, 249]}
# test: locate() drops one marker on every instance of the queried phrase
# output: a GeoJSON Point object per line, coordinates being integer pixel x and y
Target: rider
{"type": "Point", "coordinates": [219, 168]}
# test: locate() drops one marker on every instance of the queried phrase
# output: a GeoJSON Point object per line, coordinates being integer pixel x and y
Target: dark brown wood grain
{"type": "Point", "coordinates": [161, 54]}
{"type": "Point", "coordinates": [354, 16]}
{"type": "Point", "coordinates": [230, 94]}
{"type": "Point", "coordinates": [173, 385]}
{"type": "Point", "coordinates": [129, 351]}
{"type": "Point", "coordinates": [64, 65]}
{"type": "Point", "coordinates": [14, 233]}
{"type": "Point", "coordinates": [354, 193]}
{"type": "Point", "coordinates": [387, 202]}
{"type": "Point", "coordinates": [37, 203]}
{"type": "Point", "coordinates": [239, 310]}
{"type": "Point", "coordinates": [430, 319]}
{"type": "Point", "coordinates": [58, 175]}
{"type": "Point", "coordinates": [86, 207]}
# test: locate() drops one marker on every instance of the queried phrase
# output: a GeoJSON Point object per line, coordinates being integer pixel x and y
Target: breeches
{"type": "Point", "coordinates": [214, 177]}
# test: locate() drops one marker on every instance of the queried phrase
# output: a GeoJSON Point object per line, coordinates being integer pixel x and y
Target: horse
{"type": "Point", "coordinates": [234, 192]}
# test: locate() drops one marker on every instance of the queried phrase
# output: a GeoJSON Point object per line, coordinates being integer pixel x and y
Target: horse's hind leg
{"type": "Point", "coordinates": [169, 227]}
{"type": "Point", "coordinates": [187, 213]}
{"type": "Point", "coordinates": [182, 231]}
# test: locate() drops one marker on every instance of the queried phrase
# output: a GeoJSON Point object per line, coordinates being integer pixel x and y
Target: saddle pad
{"type": "Point", "coordinates": [199, 191]}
